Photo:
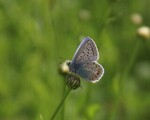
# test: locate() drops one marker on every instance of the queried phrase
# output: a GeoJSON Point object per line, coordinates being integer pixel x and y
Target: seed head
{"type": "Point", "coordinates": [73, 81]}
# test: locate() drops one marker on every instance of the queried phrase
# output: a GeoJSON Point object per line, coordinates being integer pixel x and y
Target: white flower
{"type": "Point", "coordinates": [144, 32]}
{"type": "Point", "coordinates": [64, 67]}
{"type": "Point", "coordinates": [136, 18]}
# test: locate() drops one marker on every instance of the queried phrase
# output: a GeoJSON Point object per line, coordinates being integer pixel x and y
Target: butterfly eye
{"type": "Point", "coordinates": [68, 63]}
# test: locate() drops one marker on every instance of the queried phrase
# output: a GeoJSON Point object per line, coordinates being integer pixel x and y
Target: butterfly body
{"type": "Point", "coordinates": [84, 62]}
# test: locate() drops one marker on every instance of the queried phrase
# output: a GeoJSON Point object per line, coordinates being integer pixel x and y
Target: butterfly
{"type": "Point", "coordinates": [84, 62]}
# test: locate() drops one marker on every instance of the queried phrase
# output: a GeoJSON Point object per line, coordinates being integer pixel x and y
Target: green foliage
{"type": "Point", "coordinates": [35, 34]}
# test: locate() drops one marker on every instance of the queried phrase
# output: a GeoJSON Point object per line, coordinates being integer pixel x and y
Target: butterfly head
{"type": "Point", "coordinates": [68, 62]}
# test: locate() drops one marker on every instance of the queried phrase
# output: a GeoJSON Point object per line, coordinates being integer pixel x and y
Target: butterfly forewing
{"type": "Point", "coordinates": [87, 51]}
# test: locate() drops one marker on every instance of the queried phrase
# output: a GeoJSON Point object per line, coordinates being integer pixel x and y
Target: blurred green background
{"type": "Point", "coordinates": [37, 35]}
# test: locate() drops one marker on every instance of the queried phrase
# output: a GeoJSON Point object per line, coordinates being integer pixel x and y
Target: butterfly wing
{"type": "Point", "coordinates": [87, 51]}
{"type": "Point", "coordinates": [91, 71]}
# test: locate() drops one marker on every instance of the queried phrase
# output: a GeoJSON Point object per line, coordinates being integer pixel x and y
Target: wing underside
{"type": "Point", "coordinates": [91, 71]}
{"type": "Point", "coordinates": [87, 51]}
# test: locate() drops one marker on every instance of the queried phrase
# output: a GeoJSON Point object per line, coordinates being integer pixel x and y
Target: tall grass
{"type": "Point", "coordinates": [35, 34]}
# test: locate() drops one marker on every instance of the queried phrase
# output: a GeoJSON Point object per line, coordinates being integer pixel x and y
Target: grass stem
{"type": "Point", "coordinates": [60, 104]}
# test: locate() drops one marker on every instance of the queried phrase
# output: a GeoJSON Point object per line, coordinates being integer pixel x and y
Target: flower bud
{"type": "Point", "coordinates": [73, 81]}
{"type": "Point", "coordinates": [136, 18]}
{"type": "Point", "coordinates": [144, 32]}
{"type": "Point", "coordinates": [84, 14]}
{"type": "Point", "coordinates": [64, 67]}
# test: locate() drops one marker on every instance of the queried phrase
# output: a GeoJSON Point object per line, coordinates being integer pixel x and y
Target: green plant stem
{"type": "Point", "coordinates": [129, 65]}
{"type": "Point", "coordinates": [60, 104]}
{"type": "Point", "coordinates": [123, 77]}
{"type": "Point", "coordinates": [63, 106]}
{"type": "Point", "coordinates": [131, 60]}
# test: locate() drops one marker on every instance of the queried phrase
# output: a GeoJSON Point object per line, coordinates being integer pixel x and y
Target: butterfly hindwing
{"type": "Point", "coordinates": [91, 71]}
